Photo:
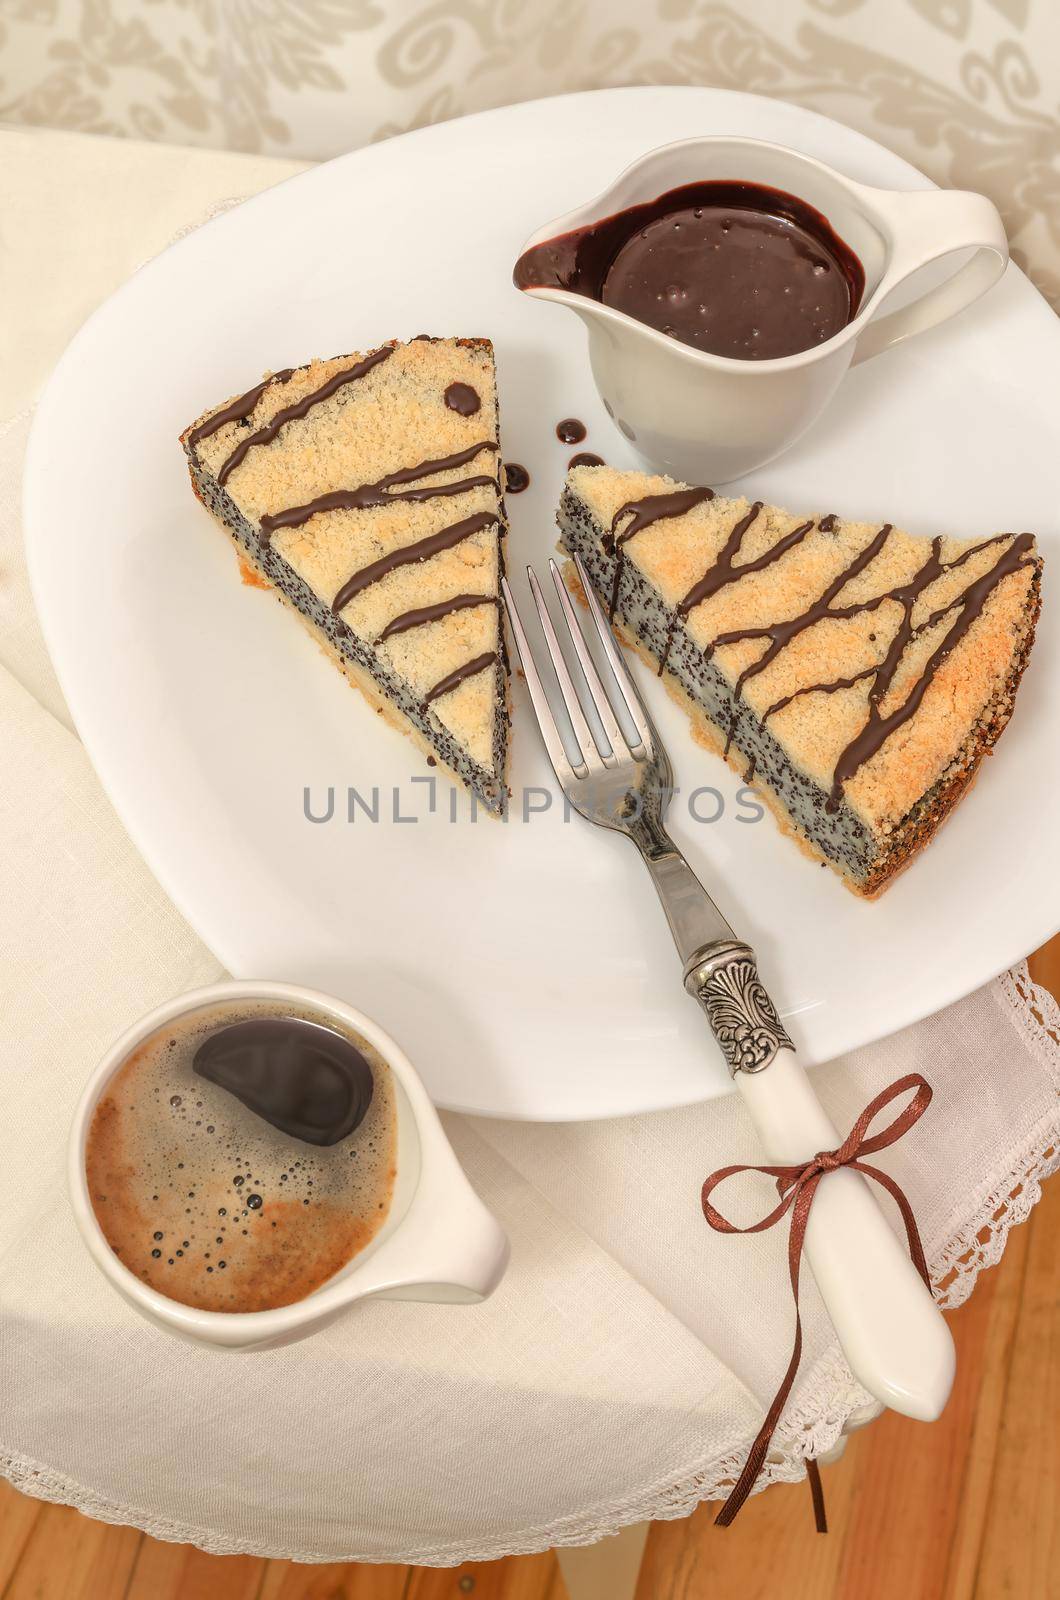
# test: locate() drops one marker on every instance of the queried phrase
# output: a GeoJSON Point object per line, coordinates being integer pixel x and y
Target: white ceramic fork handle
{"type": "Point", "coordinates": [892, 1333]}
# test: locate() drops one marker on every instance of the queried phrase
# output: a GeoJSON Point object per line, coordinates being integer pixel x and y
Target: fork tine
{"type": "Point", "coordinates": [627, 688]}
{"type": "Point", "coordinates": [597, 692]}
{"type": "Point", "coordinates": [546, 722]}
{"type": "Point", "coordinates": [582, 732]}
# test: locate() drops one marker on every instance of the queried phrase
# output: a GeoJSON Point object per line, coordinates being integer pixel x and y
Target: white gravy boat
{"type": "Point", "coordinates": [707, 418]}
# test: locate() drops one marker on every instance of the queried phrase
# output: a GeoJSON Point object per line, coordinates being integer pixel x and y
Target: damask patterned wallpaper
{"type": "Point", "coordinates": [968, 90]}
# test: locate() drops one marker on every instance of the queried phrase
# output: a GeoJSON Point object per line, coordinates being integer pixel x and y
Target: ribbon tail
{"type": "Point", "coordinates": [757, 1454]}
{"type": "Point", "coordinates": [813, 1478]}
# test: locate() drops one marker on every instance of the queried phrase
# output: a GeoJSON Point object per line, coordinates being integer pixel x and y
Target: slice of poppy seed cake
{"type": "Point", "coordinates": [366, 490]}
{"type": "Point", "coordinates": [857, 673]}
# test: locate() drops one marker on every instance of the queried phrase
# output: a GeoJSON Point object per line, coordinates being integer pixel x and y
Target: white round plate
{"type": "Point", "coordinates": [525, 967]}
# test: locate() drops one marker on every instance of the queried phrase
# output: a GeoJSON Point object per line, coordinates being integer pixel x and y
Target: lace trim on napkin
{"type": "Point", "coordinates": [828, 1400]}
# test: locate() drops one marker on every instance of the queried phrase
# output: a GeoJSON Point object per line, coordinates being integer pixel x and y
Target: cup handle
{"type": "Point", "coordinates": [927, 224]}
{"type": "Point", "coordinates": [456, 1253]}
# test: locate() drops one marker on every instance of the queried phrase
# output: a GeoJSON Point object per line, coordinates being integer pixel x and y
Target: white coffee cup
{"type": "Point", "coordinates": [707, 418]}
{"type": "Point", "coordinates": [439, 1242]}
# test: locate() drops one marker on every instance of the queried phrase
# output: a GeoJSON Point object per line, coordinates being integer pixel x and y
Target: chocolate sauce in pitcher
{"type": "Point", "coordinates": [734, 269]}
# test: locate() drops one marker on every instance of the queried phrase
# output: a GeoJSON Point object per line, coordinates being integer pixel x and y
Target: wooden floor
{"type": "Point", "coordinates": [968, 1509]}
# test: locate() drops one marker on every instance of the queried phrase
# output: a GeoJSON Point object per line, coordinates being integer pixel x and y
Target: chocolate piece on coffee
{"type": "Point", "coordinates": [305, 1080]}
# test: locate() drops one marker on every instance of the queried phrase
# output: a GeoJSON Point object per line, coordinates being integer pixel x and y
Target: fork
{"type": "Point", "coordinates": [892, 1333]}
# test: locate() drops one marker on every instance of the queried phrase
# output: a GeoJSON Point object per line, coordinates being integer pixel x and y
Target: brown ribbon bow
{"type": "Point", "coordinates": [797, 1187]}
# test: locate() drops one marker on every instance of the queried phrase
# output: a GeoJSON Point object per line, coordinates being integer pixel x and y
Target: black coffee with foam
{"type": "Point", "coordinates": [242, 1156]}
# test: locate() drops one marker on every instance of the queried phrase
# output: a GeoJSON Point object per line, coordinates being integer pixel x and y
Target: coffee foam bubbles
{"type": "Point", "coordinates": [211, 1205]}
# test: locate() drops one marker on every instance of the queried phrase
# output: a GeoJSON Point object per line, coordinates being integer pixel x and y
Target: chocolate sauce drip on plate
{"type": "Point", "coordinates": [406, 555]}
{"type": "Point", "coordinates": [454, 679]}
{"type": "Point", "coordinates": [585, 458]}
{"type": "Point", "coordinates": [516, 477]}
{"type": "Point", "coordinates": [238, 409]}
{"type": "Point", "coordinates": [462, 398]}
{"type": "Point", "coordinates": [301, 407]}
{"type": "Point", "coordinates": [570, 431]}
{"type": "Point", "coordinates": [442, 608]}
{"type": "Point", "coordinates": [366, 495]}
{"type": "Point", "coordinates": [652, 508]}
{"type": "Point", "coordinates": [300, 1076]}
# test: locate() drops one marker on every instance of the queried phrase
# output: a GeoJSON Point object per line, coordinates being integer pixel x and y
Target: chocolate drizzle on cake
{"type": "Point", "coordinates": [878, 727]}
{"type": "Point", "coordinates": [463, 399]}
{"type": "Point", "coordinates": [239, 409]}
{"type": "Point", "coordinates": [454, 679]}
{"type": "Point", "coordinates": [651, 509]}
{"type": "Point", "coordinates": [818, 688]}
{"type": "Point", "coordinates": [426, 469]}
{"type": "Point", "coordinates": [367, 495]}
{"type": "Point", "coordinates": [723, 572]}
{"type": "Point", "coordinates": [969, 605]}
{"type": "Point", "coordinates": [780, 634]}
{"type": "Point", "coordinates": [406, 555]}
{"type": "Point", "coordinates": [421, 550]}
{"type": "Point", "coordinates": [300, 408]}
{"type": "Point", "coordinates": [442, 608]}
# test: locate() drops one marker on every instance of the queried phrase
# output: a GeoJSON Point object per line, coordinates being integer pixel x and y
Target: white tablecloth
{"type": "Point", "coordinates": [624, 1365]}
